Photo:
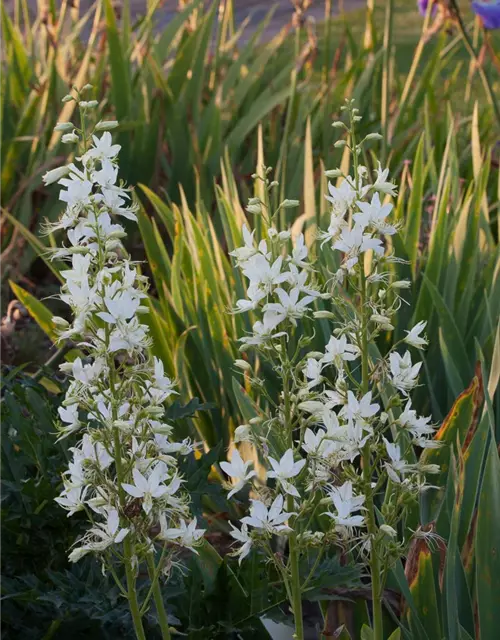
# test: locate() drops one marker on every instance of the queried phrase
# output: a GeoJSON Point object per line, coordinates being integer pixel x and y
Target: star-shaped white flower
{"type": "Point", "coordinates": [270, 520]}
{"type": "Point", "coordinates": [404, 374]}
{"type": "Point", "coordinates": [147, 488]}
{"type": "Point", "coordinates": [186, 535]}
{"type": "Point", "coordinates": [241, 535]}
{"type": "Point", "coordinates": [345, 503]}
{"type": "Point", "coordinates": [414, 338]}
{"type": "Point", "coordinates": [286, 469]}
{"type": "Point", "coordinates": [237, 469]}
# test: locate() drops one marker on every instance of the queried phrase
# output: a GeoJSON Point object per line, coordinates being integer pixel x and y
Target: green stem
{"type": "Point", "coordinates": [127, 543]}
{"type": "Point", "coordinates": [292, 540]}
{"type": "Point", "coordinates": [378, 629]}
{"type": "Point", "coordinates": [295, 581]}
{"type": "Point", "coordinates": [160, 607]}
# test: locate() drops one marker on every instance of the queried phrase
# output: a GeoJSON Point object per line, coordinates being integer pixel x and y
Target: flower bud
{"type": "Point", "coordinates": [333, 173]}
{"type": "Point", "coordinates": [106, 125]}
{"type": "Point", "coordinates": [338, 125]}
{"type": "Point", "coordinates": [388, 531]}
{"type": "Point", "coordinates": [327, 315]}
{"type": "Point", "coordinates": [284, 235]}
{"type": "Point", "coordinates": [272, 233]}
{"type": "Point", "coordinates": [67, 98]}
{"type": "Point", "coordinates": [154, 411]}
{"type": "Point", "coordinates": [54, 175]}
{"type": "Point", "coordinates": [373, 136]}
{"type": "Point", "coordinates": [243, 433]}
{"type": "Point", "coordinates": [339, 144]}
{"type": "Point", "coordinates": [401, 284]}
{"type": "Point", "coordinates": [290, 204]}
{"type": "Point", "coordinates": [69, 138]}
{"type": "Point", "coordinates": [243, 365]}
{"type": "Point", "coordinates": [317, 355]}
{"type": "Point", "coordinates": [429, 468]}
{"type": "Point", "coordinates": [87, 87]}
{"type": "Point", "coordinates": [64, 126]}
{"type": "Point", "coordinates": [60, 322]}
{"type": "Point", "coordinates": [254, 206]}
{"type": "Point", "coordinates": [142, 309]}
{"type": "Point", "coordinates": [255, 420]}
{"type": "Point", "coordinates": [91, 104]}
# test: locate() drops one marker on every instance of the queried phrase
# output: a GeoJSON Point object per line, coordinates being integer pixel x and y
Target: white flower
{"type": "Point", "coordinates": [289, 305]}
{"type": "Point", "coordinates": [299, 253]}
{"type": "Point", "coordinates": [374, 214]}
{"type": "Point", "coordinates": [345, 503]}
{"type": "Point", "coordinates": [381, 183]}
{"type": "Point", "coordinates": [359, 409]}
{"type": "Point", "coordinates": [353, 242]}
{"type": "Point", "coordinates": [94, 452]}
{"type": "Point", "coordinates": [263, 331]}
{"type": "Point", "coordinates": [78, 189]}
{"type": "Point", "coordinates": [147, 488]}
{"type": "Point", "coordinates": [186, 535]}
{"type": "Point", "coordinates": [337, 223]}
{"type": "Point", "coordinates": [237, 469]}
{"type": "Point", "coordinates": [341, 197]}
{"type": "Point", "coordinates": [285, 469]}
{"type": "Point", "coordinates": [397, 465]}
{"type": "Point", "coordinates": [404, 375]}
{"type": "Point", "coordinates": [312, 372]}
{"type": "Point", "coordinates": [129, 336]}
{"type": "Point", "coordinates": [270, 521]}
{"type": "Point", "coordinates": [254, 295]}
{"type": "Point", "coordinates": [72, 499]}
{"type": "Point", "coordinates": [338, 351]}
{"type": "Point", "coordinates": [103, 149]}
{"type": "Point", "coordinates": [262, 274]}
{"type": "Point", "coordinates": [298, 279]}
{"type": "Point", "coordinates": [101, 536]}
{"type": "Point", "coordinates": [109, 532]}
{"type": "Point", "coordinates": [414, 339]}
{"type": "Point", "coordinates": [243, 536]}
{"type": "Point", "coordinates": [69, 415]}
{"type": "Point", "coordinates": [248, 250]}
{"type": "Point", "coordinates": [408, 419]}
{"type": "Point", "coordinates": [122, 306]}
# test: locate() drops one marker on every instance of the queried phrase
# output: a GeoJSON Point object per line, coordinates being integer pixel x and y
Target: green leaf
{"type": "Point", "coordinates": [120, 73]}
{"type": "Point", "coordinates": [487, 547]}
{"type": "Point", "coordinates": [37, 310]}
{"type": "Point", "coordinates": [366, 633]}
{"type": "Point", "coordinates": [415, 205]}
{"type": "Point", "coordinates": [459, 425]}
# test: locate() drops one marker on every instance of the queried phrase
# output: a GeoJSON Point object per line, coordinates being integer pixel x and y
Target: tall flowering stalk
{"type": "Point", "coordinates": [123, 472]}
{"type": "Point", "coordinates": [341, 434]}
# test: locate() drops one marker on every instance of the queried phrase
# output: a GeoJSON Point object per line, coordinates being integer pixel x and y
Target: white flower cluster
{"type": "Point", "coordinates": [328, 446]}
{"type": "Point", "coordinates": [124, 471]}
{"type": "Point", "coordinates": [277, 284]}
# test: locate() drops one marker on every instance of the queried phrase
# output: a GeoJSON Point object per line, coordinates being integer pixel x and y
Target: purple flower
{"type": "Point", "coordinates": [422, 7]}
{"type": "Point", "coordinates": [489, 12]}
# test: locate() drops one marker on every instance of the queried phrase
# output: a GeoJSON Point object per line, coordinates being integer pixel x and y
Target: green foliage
{"type": "Point", "coordinates": [188, 129]}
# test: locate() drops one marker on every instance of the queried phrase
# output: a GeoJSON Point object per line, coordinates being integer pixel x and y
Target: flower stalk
{"type": "Point", "coordinates": [323, 436]}
{"type": "Point", "coordinates": [123, 473]}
